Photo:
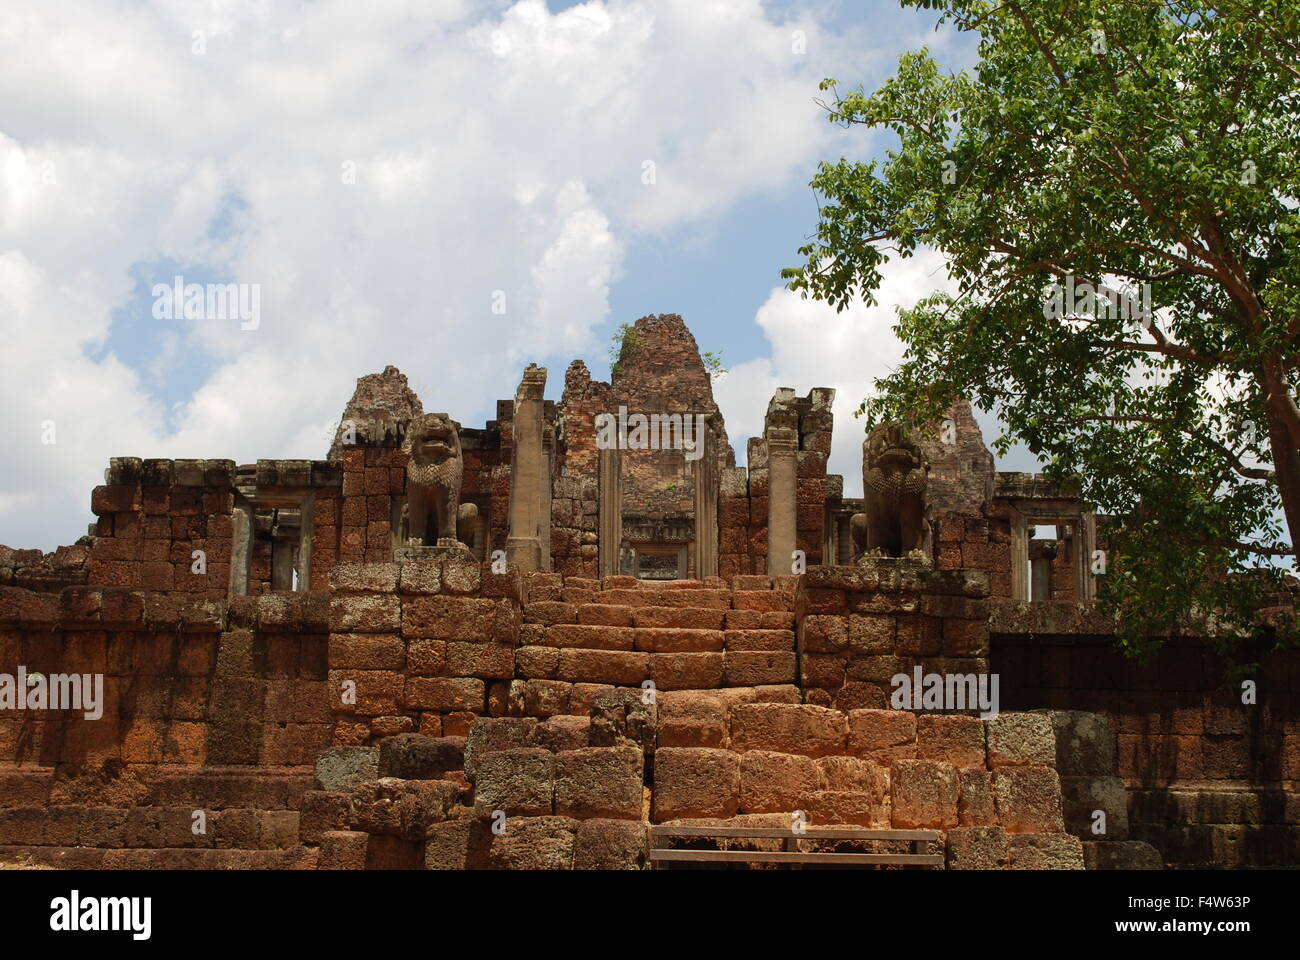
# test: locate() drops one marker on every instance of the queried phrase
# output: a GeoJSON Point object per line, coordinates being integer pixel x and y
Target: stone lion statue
{"type": "Point", "coordinates": [894, 473]}
{"type": "Point", "coordinates": [433, 475]}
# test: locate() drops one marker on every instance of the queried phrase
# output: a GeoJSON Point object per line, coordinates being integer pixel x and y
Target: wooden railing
{"type": "Point", "coordinates": [791, 854]}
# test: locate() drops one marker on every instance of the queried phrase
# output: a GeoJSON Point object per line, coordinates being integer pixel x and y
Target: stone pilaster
{"type": "Point", "coordinates": [706, 506]}
{"type": "Point", "coordinates": [610, 511]}
{"type": "Point", "coordinates": [544, 486]}
{"type": "Point", "coordinates": [528, 474]}
{"type": "Point", "coordinates": [782, 462]}
{"type": "Point", "coordinates": [241, 549]}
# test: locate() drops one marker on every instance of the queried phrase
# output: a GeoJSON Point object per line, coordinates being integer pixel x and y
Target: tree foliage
{"type": "Point", "coordinates": [624, 344]}
{"type": "Point", "coordinates": [1130, 146]}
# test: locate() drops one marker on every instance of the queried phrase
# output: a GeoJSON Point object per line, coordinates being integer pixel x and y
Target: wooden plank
{"type": "Point", "coordinates": [781, 856]}
{"type": "Point", "coordinates": [778, 833]}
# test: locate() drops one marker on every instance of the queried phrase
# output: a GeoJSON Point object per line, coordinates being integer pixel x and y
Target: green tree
{"type": "Point", "coordinates": [1130, 146]}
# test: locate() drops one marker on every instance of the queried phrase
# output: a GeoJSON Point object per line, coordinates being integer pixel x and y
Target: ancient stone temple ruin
{"type": "Point", "coordinates": [550, 640]}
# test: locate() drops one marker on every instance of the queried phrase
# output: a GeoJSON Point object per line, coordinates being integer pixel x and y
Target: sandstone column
{"type": "Point", "coordinates": [544, 510]}
{"type": "Point", "coordinates": [1040, 574]}
{"type": "Point", "coordinates": [241, 546]}
{"type": "Point", "coordinates": [782, 462]}
{"type": "Point", "coordinates": [1019, 556]}
{"type": "Point", "coordinates": [1086, 542]}
{"type": "Point", "coordinates": [610, 512]}
{"type": "Point", "coordinates": [305, 538]}
{"type": "Point", "coordinates": [706, 505]}
{"type": "Point", "coordinates": [481, 535]}
{"type": "Point", "coordinates": [527, 474]}
{"type": "Point", "coordinates": [282, 565]}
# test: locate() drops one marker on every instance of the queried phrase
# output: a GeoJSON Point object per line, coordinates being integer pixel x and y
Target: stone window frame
{"type": "Point", "coordinates": [247, 503]}
{"type": "Point", "coordinates": [1027, 513]}
{"type": "Point", "coordinates": [679, 550]}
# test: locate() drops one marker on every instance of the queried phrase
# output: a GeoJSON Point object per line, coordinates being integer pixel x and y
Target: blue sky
{"type": "Point", "coordinates": [496, 149]}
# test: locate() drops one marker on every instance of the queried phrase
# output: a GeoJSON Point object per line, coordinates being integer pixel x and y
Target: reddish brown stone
{"type": "Point", "coordinates": [695, 782]}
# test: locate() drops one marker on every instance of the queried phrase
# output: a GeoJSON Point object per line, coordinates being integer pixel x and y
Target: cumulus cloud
{"type": "Point", "coordinates": [381, 172]}
{"type": "Point", "coordinates": [813, 346]}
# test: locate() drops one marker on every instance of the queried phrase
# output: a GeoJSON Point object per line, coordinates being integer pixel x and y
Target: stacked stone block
{"type": "Point", "coordinates": [861, 626]}
{"type": "Point", "coordinates": [373, 476]}
{"type": "Point", "coordinates": [518, 793]}
{"type": "Point", "coordinates": [813, 486]}
{"type": "Point", "coordinates": [1209, 779]}
{"type": "Point", "coordinates": [208, 707]}
{"type": "Point", "coordinates": [45, 572]}
{"type": "Point", "coordinates": [574, 514]}
{"type": "Point", "coordinates": [676, 635]}
{"type": "Point", "coordinates": [186, 681]}
{"type": "Point", "coordinates": [1095, 801]}
{"type": "Point", "coordinates": [424, 645]}
{"type": "Point", "coordinates": [737, 525]}
{"type": "Point", "coordinates": [568, 792]}
{"type": "Point", "coordinates": [152, 516]}
{"type": "Point", "coordinates": [990, 785]}
{"type": "Point", "coordinates": [971, 542]}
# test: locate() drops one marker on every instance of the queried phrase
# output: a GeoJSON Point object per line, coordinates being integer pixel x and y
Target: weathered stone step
{"type": "Point", "coordinates": [588, 637]}
{"type": "Point", "coordinates": [762, 600]}
{"type": "Point", "coordinates": [635, 583]}
{"type": "Point", "coordinates": [709, 583]}
{"type": "Point", "coordinates": [164, 785]}
{"type": "Point", "coordinates": [664, 639]}
{"type": "Point", "coordinates": [677, 639]}
{"type": "Point", "coordinates": [149, 827]}
{"type": "Point", "coordinates": [553, 586]}
{"type": "Point", "coordinates": [700, 618]}
{"type": "Point", "coordinates": [713, 599]}
{"type": "Point", "coordinates": [552, 612]}
{"type": "Point", "coordinates": [760, 620]}
{"type": "Point", "coordinates": [165, 858]}
{"type": "Point", "coordinates": [699, 670]}
{"type": "Point", "coordinates": [738, 640]}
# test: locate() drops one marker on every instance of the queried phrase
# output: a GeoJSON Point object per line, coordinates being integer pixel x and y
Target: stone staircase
{"type": "Point", "coordinates": [677, 634]}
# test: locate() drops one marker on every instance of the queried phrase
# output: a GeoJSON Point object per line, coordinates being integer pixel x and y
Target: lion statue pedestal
{"type": "Point", "coordinates": [445, 549]}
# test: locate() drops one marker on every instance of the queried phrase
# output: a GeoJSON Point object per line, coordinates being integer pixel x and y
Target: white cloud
{"type": "Point", "coordinates": [572, 277]}
{"type": "Point", "coordinates": [813, 346]}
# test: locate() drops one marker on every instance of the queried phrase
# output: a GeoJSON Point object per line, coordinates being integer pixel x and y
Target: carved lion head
{"type": "Point", "coordinates": [433, 438]}
{"type": "Point", "coordinates": [889, 447]}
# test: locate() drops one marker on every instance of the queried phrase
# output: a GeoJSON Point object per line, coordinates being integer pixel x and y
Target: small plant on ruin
{"type": "Point", "coordinates": [713, 364]}
{"type": "Point", "coordinates": [624, 345]}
